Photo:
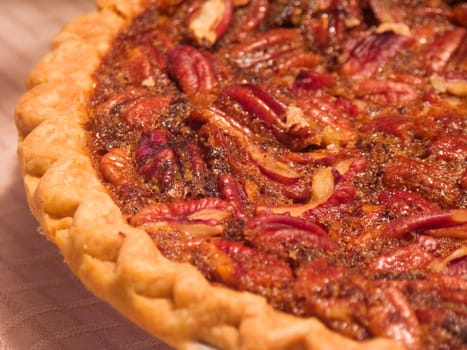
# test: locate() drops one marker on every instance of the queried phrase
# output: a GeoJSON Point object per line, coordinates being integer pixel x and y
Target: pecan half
{"type": "Point", "coordinates": [193, 169]}
{"type": "Point", "coordinates": [248, 19]}
{"type": "Point", "coordinates": [267, 48]}
{"type": "Point", "coordinates": [411, 256]}
{"type": "Point", "coordinates": [450, 147]}
{"type": "Point", "coordinates": [334, 293]}
{"type": "Point", "coordinates": [115, 166]}
{"type": "Point", "coordinates": [443, 48]}
{"type": "Point", "coordinates": [386, 91]}
{"type": "Point", "coordinates": [273, 167]}
{"type": "Point", "coordinates": [157, 161]}
{"type": "Point", "coordinates": [257, 102]}
{"type": "Point", "coordinates": [192, 70]}
{"type": "Point", "coordinates": [288, 124]}
{"type": "Point", "coordinates": [390, 314]}
{"type": "Point", "coordinates": [268, 164]}
{"type": "Point", "coordinates": [254, 271]}
{"type": "Point", "coordinates": [138, 107]}
{"type": "Point", "coordinates": [245, 158]}
{"type": "Point", "coordinates": [370, 53]}
{"type": "Point", "coordinates": [293, 65]}
{"type": "Point", "coordinates": [143, 63]}
{"type": "Point", "coordinates": [401, 203]}
{"type": "Point", "coordinates": [143, 112]}
{"type": "Point", "coordinates": [194, 218]}
{"type": "Point", "coordinates": [420, 177]}
{"type": "Point", "coordinates": [443, 219]}
{"type": "Point", "coordinates": [328, 115]}
{"type": "Point", "coordinates": [397, 125]}
{"type": "Point", "coordinates": [287, 236]}
{"type": "Point", "coordinates": [231, 192]}
{"type": "Point", "coordinates": [210, 21]}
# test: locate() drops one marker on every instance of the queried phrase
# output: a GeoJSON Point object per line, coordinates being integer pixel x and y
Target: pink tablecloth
{"type": "Point", "coordinates": [42, 305]}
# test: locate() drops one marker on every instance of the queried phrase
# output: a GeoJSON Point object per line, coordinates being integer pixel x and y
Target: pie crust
{"type": "Point", "coordinates": [117, 262]}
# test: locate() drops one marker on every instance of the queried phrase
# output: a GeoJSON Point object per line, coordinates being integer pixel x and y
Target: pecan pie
{"type": "Point", "coordinates": [252, 174]}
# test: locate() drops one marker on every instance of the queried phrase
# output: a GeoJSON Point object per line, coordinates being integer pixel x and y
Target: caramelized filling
{"type": "Point", "coordinates": [310, 152]}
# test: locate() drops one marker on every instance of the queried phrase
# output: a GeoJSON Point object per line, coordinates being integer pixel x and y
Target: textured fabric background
{"type": "Point", "coordinates": [42, 305]}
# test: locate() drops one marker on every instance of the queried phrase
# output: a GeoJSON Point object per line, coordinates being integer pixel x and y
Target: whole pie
{"type": "Point", "coordinates": [252, 174]}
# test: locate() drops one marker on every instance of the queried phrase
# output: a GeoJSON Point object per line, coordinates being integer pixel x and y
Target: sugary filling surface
{"type": "Point", "coordinates": [312, 152]}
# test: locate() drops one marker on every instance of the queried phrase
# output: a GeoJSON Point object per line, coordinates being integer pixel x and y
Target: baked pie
{"type": "Point", "coordinates": [252, 174]}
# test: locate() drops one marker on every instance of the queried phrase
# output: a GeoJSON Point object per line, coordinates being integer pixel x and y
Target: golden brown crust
{"type": "Point", "coordinates": [125, 8]}
{"type": "Point", "coordinates": [117, 262]}
{"type": "Point", "coordinates": [96, 28]}
{"type": "Point", "coordinates": [50, 100]}
{"type": "Point", "coordinates": [72, 60]}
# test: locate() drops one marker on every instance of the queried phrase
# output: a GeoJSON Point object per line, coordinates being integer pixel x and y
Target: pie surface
{"type": "Point", "coordinates": [260, 174]}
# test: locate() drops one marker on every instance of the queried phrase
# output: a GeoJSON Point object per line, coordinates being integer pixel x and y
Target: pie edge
{"type": "Point", "coordinates": [117, 262]}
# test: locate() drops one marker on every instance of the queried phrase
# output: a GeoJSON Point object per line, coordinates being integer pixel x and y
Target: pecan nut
{"type": "Point", "coordinates": [115, 165]}
{"type": "Point", "coordinates": [210, 21]}
{"type": "Point", "coordinates": [288, 123]}
{"type": "Point", "coordinates": [420, 177]}
{"type": "Point", "coordinates": [371, 52]}
{"type": "Point", "coordinates": [194, 218]}
{"type": "Point", "coordinates": [285, 235]}
{"type": "Point", "coordinates": [192, 70]}
{"type": "Point", "coordinates": [443, 48]}
{"type": "Point", "coordinates": [267, 48]}
{"type": "Point", "coordinates": [157, 161]}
